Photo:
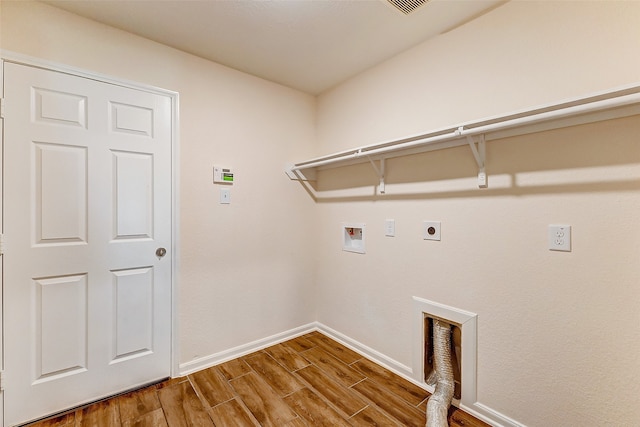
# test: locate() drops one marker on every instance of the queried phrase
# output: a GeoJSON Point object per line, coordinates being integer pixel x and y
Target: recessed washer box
{"type": "Point", "coordinates": [353, 235]}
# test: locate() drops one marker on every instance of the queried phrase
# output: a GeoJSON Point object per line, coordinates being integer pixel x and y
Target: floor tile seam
{"type": "Point", "coordinates": [328, 349]}
{"type": "Point", "coordinates": [164, 411]}
{"type": "Point", "coordinates": [241, 400]}
{"type": "Point", "coordinates": [275, 392]}
{"type": "Point", "coordinates": [383, 412]}
{"type": "Point", "coordinates": [134, 419]}
{"type": "Point", "coordinates": [198, 392]}
{"type": "Point", "coordinates": [304, 351]}
{"type": "Point", "coordinates": [335, 377]}
{"type": "Point", "coordinates": [207, 406]}
{"type": "Point", "coordinates": [239, 359]}
{"type": "Point", "coordinates": [356, 361]}
{"type": "Point", "coordinates": [397, 395]}
{"type": "Point", "coordinates": [337, 356]}
{"type": "Point", "coordinates": [114, 404]}
{"type": "Point", "coordinates": [296, 350]}
{"type": "Point", "coordinates": [200, 396]}
{"type": "Point", "coordinates": [342, 414]}
{"type": "Point", "coordinates": [425, 400]}
{"type": "Point", "coordinates": [372, 403]}
{"type": "Point", "coordinates": [384, 386]}
{"type": "Point", "coordinates": [221, 377]}
{"type": "Point", "coordinates": [239, 376]}
{"type": "Point", "coordinates": [264, 377]}
{"type": "Point", "coordinates": [251, 371]}
{"type": "Point", "coordinates": [299, 369]}
{"type": "Point", "coordinates": [288, 394]}
{"type": "Point", "coordinates": [162, 405]}
{"type": "Point", "coordinates": [360, 371]}
{"type": "Point", "coordinates": [118, 400]}
{"type": "Point", "coordinates": [282, 364]}
{"type": "Point", "coordinates": [358, 382]}
{"type": "Point", "coordinates": [324, 344]}
{"type": "Point", "coordinates": [357, 412]}
{"type": "Point", "coordinates": [325, 399]}
{"type": "Point", "coordinates": [249, 356]}
{"type": "Point", "coordinates": [284, 396]}
{"type": "Point", "coordinates": [329, 355]}
{"type": "Point", "coordinates": [244, 407]}
{"type": "Point", "coordinates": [295, 369]}
{"type": "Point", "coordinates": [299, 353]}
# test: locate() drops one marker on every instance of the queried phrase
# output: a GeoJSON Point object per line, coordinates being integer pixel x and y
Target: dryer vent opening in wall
{"type": "Point", "coordinates": [462, 337]}
{"type": "Point", "coordinates": [455, 352]}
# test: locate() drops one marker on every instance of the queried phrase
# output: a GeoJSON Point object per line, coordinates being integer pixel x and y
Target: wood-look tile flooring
{"type": "Point", "coordinates": [307, 381]}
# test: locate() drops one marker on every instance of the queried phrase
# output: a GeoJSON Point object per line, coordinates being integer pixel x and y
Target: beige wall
{"type": "Point", "coordinates": [244, 267]}
{"type": "Point", "coordinates": [558, 335]}
{"type": "Point", "coordinates": [558, 332]}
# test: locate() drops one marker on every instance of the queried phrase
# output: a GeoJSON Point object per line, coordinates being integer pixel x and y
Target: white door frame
{"type": "Point", "coordinates": [7, 56]}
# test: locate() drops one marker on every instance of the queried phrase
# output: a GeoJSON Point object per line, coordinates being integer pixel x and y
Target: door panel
{"type": "Point", "coordinates": [133, 201]}
{"type": "Point", "coordinates": [87, 201]}
{"type": "Point", "coordinates": [67, 109]}
{"type": "Point", "coordinates": [131, 119]}
{"type": "Point", "coordinates": [60, 193]}
{"type": "Point", "coordinates": [60, 342]}
{"type": "Point", "coordinates": [133, 334]}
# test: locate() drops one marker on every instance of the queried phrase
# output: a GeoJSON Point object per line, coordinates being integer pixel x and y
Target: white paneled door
{"type": "Point", "coordinates": [87, 213]}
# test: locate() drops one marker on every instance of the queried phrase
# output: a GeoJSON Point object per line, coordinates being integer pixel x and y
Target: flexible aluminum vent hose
{"type": "Point", "coordinates": [438, 404]}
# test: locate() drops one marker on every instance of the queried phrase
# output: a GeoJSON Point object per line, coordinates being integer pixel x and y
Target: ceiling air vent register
{"type": "Point", "coordinates": [406, 6]}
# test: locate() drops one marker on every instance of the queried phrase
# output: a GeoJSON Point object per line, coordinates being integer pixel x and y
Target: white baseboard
{"type": "Point", "coordinates": [242, 350]}
{"type": "Point", "coordinates": [477, 409]}
{"type": "Point", "coordinates": [371, 354]}
{"type": "Point", "coordinates": [490, 416]}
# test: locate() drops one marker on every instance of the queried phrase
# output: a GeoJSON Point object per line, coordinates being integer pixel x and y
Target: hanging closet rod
{"type": "Point", "coordinates": [602, 102]}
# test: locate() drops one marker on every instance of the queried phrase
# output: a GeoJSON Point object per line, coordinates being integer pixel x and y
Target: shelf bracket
{"type": "Point", "coordinates": [300, 175]}
{"type": "Point", "coordinates": [478, 149]}
{"type": "Point", "coordinates": [380, 172]}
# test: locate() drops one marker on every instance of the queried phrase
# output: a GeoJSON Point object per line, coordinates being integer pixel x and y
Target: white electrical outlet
{"type": "Point", "coordinates": [431, 230]}
{"type": "Point", "coordinates": [560, 238]}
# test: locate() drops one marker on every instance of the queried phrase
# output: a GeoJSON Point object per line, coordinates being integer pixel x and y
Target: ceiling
{"type": "Point", "coordinates": [309, 45]}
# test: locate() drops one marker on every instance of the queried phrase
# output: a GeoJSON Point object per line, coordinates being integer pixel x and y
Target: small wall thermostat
{"type": "Point", "coordinates": [222, 175]}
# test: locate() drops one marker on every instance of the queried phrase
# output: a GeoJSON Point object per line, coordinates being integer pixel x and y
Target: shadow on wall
{"type": "Point", "coordinates": [595, 157]}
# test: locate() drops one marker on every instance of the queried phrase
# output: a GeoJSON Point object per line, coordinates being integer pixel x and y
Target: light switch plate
{"type": "Point", "coordinates": [390, 227]}
{"type": "Point", "coordinates": [225, 196]}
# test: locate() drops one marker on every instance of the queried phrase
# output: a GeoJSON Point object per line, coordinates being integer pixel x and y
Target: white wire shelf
{"type": "Point", "coordinates": [621, 102]}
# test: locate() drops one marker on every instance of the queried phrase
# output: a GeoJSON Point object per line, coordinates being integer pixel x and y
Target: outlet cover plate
{"type": "Point", "coordinates": [560, 238]}
{"type": "Point", "coordinates": [431, 230]}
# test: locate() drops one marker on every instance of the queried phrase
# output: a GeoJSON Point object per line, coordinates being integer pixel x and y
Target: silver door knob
{"type": "Point", "coordinates": [160, 252]}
